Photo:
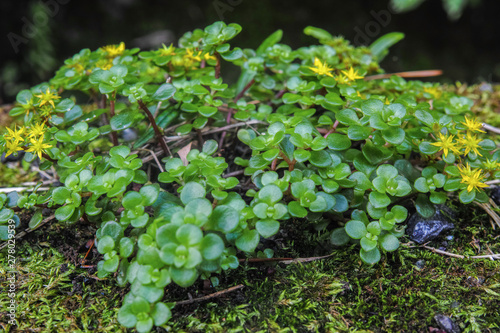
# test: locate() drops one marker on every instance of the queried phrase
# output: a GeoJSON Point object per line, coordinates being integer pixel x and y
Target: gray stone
{"type": "Point", "coordinates": [447, 324]}
{"type": "Point", "coordinates": [422, 230]}
{"type": "Point", "coordinates": [495, 194]}
{"type": "Point", "coordinates": [420, 263]}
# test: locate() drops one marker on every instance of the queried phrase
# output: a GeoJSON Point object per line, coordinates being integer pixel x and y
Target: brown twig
{"type": "Point", "coordinates": [28, 230]}
{"type": "Point", "coordinates": [486, 256]}
{"type": "Point", "coordinates": [411, 74]}
{"type": "Point", "coordinates": [154, 157]}
{"type": "Point", "coordinates": [152, 120]}
{"type": "Point", "coordinates": [217, 65]}
{"type": "Point", "coordinates": [489, 208]}
{"type": "Point", "coordinates": [207, 297]}
{"type": "Point", "coordinates": [286, 261]}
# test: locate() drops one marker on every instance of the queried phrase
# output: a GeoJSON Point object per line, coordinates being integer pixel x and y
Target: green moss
{"type": "Point", "coordinates": [338, 294]}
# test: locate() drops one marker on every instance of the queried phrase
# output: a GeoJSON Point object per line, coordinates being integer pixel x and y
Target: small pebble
{"type": "Point", "coordinates": [420, 264]}
{"type": "Point", "coordinates": [485, 87]}
{"type": "Point", "coordinates": [450, 237]}
{"type": "Point", "coordinates": [447, 324]}
{"type": "Point", "coordinates": [129, 134]}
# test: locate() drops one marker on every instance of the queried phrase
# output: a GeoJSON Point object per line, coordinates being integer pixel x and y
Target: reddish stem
{"type": "Point", "coordinates": [114, 136]}
{"type": "Point", "coordinates": [334, 127]}
{"type": "Point", "coordinates": [217, 65]}
{"type": "Point", "coordinates": [152, 120]}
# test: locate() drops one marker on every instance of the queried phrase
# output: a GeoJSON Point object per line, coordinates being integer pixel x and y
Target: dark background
{"type": "Point", "coordinates": [466, 49]}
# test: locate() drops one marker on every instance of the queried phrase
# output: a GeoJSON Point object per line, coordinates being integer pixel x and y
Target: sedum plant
{"type": "Point", "coordinates": [322, 139]}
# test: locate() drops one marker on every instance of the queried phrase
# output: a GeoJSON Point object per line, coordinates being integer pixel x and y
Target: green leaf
{"type": "Point", "coordinates": [427, 148]}
{"type": "Point", "coordinates": [164, 92]}
{"type": "Point", "coordinates": [149, 194]}
{"type": "Point", "coordinates": [248, 241]}
{"type": "Point", "coordinates": [225, 218]}
{"type": "Point", "coordinates": [64, 213]}
{"type": "Point", "coordinates": [296, 210]}
{"type": "Point", "coordinates": [421, 185]}
{"type": "Point", "coordinates": [191, 191]}
{"type": "Point", "coordinates": [274, 38]}
{"type": "Point", "coordinates": [60, 194]}
{"type": "Point", "coordinates": [210, 147]}
{"type": "Point", "coordinates": [424, 207]}
{"type": "Point", "coordinates": [368, 244]}
{"type": "Point", "coordinates": [320, 158]}
{"type": "Point", "coordinates": [339, 237]}
{"type": "Point", "coordinates": [161, 314]}
{"type": "Point", "coordinates": [183, 277]}
{"type": "Point", "coordinates": [212, 247]}
{"type": "Point", "coordinates": [355, 229]}
{"type": "Point", "coordinates": [338, 141]}
{"type": "Point", "coordinates": [189, 235]}
{"type": "Point", "coordinates": [105, 245]}
{"type": "Point", "coordinates": [122, 120]}
{"type": "Point", "coordinates": [467, 197]}
{"type": "Point", "coordinates": [379, 200]}
{"type": "Point", "coordinates": [267, 228]}
{"type": "Point", "coordinates": [375, 154]}
{"type": "Point", "coordinates": [35, 219]}
{"type": "Point", "coordinates": [381, 46]}
{"type": "Point", "coordinates": [270, 194]}
{"type": "Point", "coordinates": [318, 33]}
{"type": "Point", "coordinates": [347, 117]}
{"type": "Point", "coordinates": [358, 133]}
{"type": "Point", "coordinates": [389, 242]}
{"type": "Point", "coordinates": [394, 135]}
{"type": "Point", "coordinates": [372, 107]}
{"type": "Point", "coordinates": [370, 257]}
{"type": "Point", "coordinates": [131, 200]}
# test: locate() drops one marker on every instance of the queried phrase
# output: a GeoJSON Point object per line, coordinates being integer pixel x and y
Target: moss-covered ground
{"type": "Point", "coordinates": [337, 294]}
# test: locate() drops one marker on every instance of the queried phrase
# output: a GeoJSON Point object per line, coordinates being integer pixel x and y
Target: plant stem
{"type": "Point", "coordinates": [217, 65]}
{"type": "Point", "coordinates": [152, 120]}
{"type": "Point", "coordinates": [114, 137]}
{"type": "Point", "coordinates": [230, 113]}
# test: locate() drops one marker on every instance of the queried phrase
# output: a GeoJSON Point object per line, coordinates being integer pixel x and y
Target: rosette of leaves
{"type": "Point", "coordinates": [7, 202]}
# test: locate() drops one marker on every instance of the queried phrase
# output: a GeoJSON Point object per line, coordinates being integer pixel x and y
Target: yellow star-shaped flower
{"type": "Point", "coordinates": [38, 147]}
{"type": "Point", "coordinates": [37, 130]}
{"type": "Point", "coordinates": [472, 178]}
{"type": "Point", "coordinates": [47, 97]}
{"type": "Point", "coordinates": [473, 125]}
{"type": "Point", "coordinates": [341, 79]}
{"type": "Point", "coordinates": [193, 56]}
{"type": "Point", "coordinates": [351, 74]}
{"type": "Point", "coordinates": [113, 51]}
{"type": "Point", "coordinates": [12, 147]}
{"type": "Point", "coordinates": [470, 143]}
{"type": "Point", "coordinates": [446, 144]}
{"type": "Point", "coordinates": [321, 68]}
{"type": "Point", "coordinates": [166, 51]}
{"type": "Point", "coordinates": [15, 134]}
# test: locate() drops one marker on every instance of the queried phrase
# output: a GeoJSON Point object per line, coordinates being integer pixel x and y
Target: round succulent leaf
{"type": "Point", "coordinates": [424, 207]}
{"type": "Point", "coordinates": [212, 247]}
{"type": "Point", "coordinates": [210, 147]}
{"type": "Point", "coordinates": [112, 229]}
{"type": "Point", "coordinates": [355, 229]}
{"type": "Point", "coordinates": [379, 200]}
{"type": "Point", "coordinates": [225, 218]}
{"type": "Point", "coordinates": [270, 194]}
{"type": "Point", "coordinates": [126, 247]}
{"type": "Point", "coordinates": [125, 316]}
{"type": "Point", "coordinates": [161, 314]}
{"type": "Point", "coordinates": [301, 155]}
{"type": "Point", "coordinates": [248, 240]}
{"type": "Point", "coordinates": [400, 213]}
{"type": "Point", "coordinates": [337, 141]}
{"type": "Point", "coordinates": [64, 213]}
{"type": "Point", "coordinates": [189, 235]}
{"type": "Point", "coordinates": [151, 294]}
{"type": "Point", "coordinates": [149, 194]}
{"type": "Point", "coordinates": [105, 244]}
{"type": "Point", "coordinates": [394, 135]}
{"type": "Point", "coordinates": [439, 180]}
{"type": "Point", "coordinates": [267, 227]}
{"type": "Point", "coordinates": [60, 195]}
{"type": "Point", "coordinates": [166, 234]}
{"type": "Point", "coordinates": [131, 200]}
{"type": "Point", "coordinates": [271, 154]}
{"type": "Point", "coordinates": [320, 159]}
{"type": "Point", "coordinates": [389, 242]}
{"type": "Point", "coordinates": [368, 244]}
{"type": "Point", "coordinates": [438, 198]}
{"type": "Point", "coordinates": [339, 237]}
{"type": "Point", "coordinates": [370, 257]}
{"type": "Point", "coordinates": [194, 258]}
{"type": "Point", "coordinates": [467, 197]}
{"type": "Point", "coordinates": [373, 228]}
{"type": "Point", "coordinates": [296, 210]}
{"type": "Point", "coordinates": [421, 185]}
{"type": "Point", "coordinates": [191, 191]}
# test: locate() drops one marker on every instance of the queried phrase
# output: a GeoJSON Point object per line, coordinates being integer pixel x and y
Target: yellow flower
{"type": "Point", "coordinates": [360, 95]}
{"type": "Point", "coordinates": [352, 75]}
{"type": "Point", "coordinates": [47, 97]}
{"type": "Point", "coordinates": [191, 55]}
{"type": "Point", "coordinates": [37, 130]}
{"type": "Point", "coordinates": [15, 134]}
{"type": "Point", "coordinates": [113, 50]}
{"type": "Point", "coordinates": [491, 165]}
{"type": "Point", "coordinates": [321, 68]}
{"type": "Point", "coordinates": [12, 147]}
{"type": "Point", "coordinates": [166, 51]}
{"type": "Point", "coordinates": [207, 56]}
{"type": "Point", "coordinates": [341, 79]}
{"type": "Point", "coordinates": [472, 178]}
{"type": "Point", "coordinates": [473, 125]}
{"type": "Point", "coordinates": [387, 102]}
{"type": "Point", "coordinates": [470, 143]}
{"type": "Point", "coordinates": [434, 91]}
{"type": "Point", "coordinates": [38, 147]}
{"type": "Point", "coordinates": [446, 143]}
{"type": "Point", "coordinates": [104, 64]}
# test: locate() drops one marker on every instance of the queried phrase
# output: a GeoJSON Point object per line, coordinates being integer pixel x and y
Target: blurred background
{"type": "Point", "coordinates": [461, 37]}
